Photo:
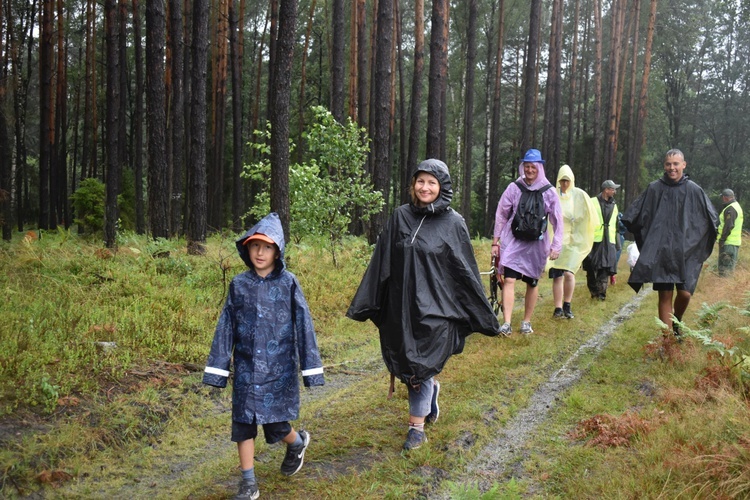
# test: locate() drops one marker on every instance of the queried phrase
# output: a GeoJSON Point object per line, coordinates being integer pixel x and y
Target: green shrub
{"type": "Point", "coordinates": [89, 200]}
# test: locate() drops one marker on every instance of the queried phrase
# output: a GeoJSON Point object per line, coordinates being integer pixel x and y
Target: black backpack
{"type": "Point", "coordinates": [530, 220]}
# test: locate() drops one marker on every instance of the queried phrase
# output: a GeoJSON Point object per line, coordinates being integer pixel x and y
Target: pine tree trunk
{"type": "Point", "coordinates": [140, 216]}
{"type": "Point", "coordinates": [353, 69]}
{"type": "Point", "coordinates": [112, 213]}
{"type": "Point", "coordinates": [530, 77]}
{"type": "Point", "coordinates": [381, 106]}
{"type": "Point", "coordinates": [156, 120]}
{"type": "Point", "coordinates": [416, 95]}
{"type": "Point", "coordinates": [493, 188]}
{"type": "Point", "coordinates": [177, 115]}
{"type": "Point", "coordinates": [596, 166]}
{"type": "Point", "coordinates": [468, 142]}
{"type": "Point", "coordinates": [6, 154]}
{"type": "Point", "coordinates": [303, 82]}
{"type": "Point", "coordinates": [61, 121]}
{"type": "Point", "coordinates": [573, 75]}
{"type": "Point", "coordinates": [632, 190]}
{"type": "Point", "coordinates": [403, 168]}
{"type": "Point", "coordinates": [197, 213]}
{"type": "Point", "coordinates": [337, 60]}
{"type": "Point", "coordinates": [237, 157]}
{"type": "Point", "coordinates": [45, 106]}
{"type": "Point", "coordinates": [280, 112]}
{"type": "Point", "coordinates": [218, 118]}
{"type": "Point", "coordinates": [363, 104]}
{"type": "Point", "coordinates": [437, 75]}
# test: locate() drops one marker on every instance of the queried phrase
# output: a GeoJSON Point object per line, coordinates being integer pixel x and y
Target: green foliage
{"type": "Point", "coordinates": [48, 393]}
{"type": "Point", "coordinates": [329, 188]}
{"type": "Point", "coordinates": [88, 201]}
{"type": "Point", "coordinates": [127, 201]}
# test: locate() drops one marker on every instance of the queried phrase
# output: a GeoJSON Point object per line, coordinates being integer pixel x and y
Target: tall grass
{"type": "Point", "coordinates": [97, 352]}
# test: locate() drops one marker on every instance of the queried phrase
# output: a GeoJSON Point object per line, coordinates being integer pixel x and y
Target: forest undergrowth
{"type": "Point", "coordinates": [101, 393]}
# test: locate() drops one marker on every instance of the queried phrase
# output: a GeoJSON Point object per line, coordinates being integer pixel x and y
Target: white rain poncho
{"type": "Point", "coordinates": [578, 226]}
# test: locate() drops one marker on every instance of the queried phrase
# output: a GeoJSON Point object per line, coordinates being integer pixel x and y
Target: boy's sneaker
{"type": "Point", "coordinates": [558, 313]}
{"type": "Point", "coordinates": [414, 439]}
{"type": "Point", "coordinates": [526, 327]}
{"type": "Point", "coordinates": [248, 490]}
{"type": "Point", "coordinates": [432, 417]}
{"type": "Point", "coordinates": [505, 330]}
{"type": "Point", "coordinates": [295, 457]}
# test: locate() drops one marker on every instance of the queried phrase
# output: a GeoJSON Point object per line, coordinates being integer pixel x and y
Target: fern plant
{"type": "Point", "coordinates": [734, 358]}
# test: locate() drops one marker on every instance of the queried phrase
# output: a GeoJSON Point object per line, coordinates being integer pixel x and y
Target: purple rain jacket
{"type": "Point", "coordinates": [527, 257]}
{"type": "Point", "coordinates": [267, 328]}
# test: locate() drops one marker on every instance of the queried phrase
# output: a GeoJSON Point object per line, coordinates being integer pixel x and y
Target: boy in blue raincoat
{"type": "Point", "coordinates": [267, 328]}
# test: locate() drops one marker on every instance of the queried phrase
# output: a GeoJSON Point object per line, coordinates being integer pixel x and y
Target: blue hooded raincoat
{"type": "Point", "coordinates": [267, 327]}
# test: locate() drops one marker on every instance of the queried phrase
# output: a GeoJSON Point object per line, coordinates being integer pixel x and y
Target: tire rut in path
{"type": "Point", "coordinates": [492, 462]}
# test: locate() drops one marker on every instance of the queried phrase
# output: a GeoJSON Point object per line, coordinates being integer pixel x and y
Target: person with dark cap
{"type": "Point", "coordinates": [601, 263]}
{"type": "Point", "coordinates": [423, 291]}
{"type": "Point", "coordinates": [674, 225]}
{"type": "Point", "coordinates": [730, 233]}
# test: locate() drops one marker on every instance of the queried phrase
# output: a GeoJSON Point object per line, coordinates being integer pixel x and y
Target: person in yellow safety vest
{"type": "Point", "coordinates": [730, 233]}
{"type": "Point", "coordinates": [601, 263]}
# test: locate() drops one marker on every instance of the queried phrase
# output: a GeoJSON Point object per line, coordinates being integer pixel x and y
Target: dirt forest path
{"type": "Point", "coordinates": [496, 462]}
{"type": "Point", "coordinates": [505, 455]}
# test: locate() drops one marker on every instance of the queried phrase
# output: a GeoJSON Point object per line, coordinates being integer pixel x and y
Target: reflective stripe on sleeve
{"type": "Point", "coordinates": [218, 371]}
{"type": "Point", "coordinates": [312, 371]}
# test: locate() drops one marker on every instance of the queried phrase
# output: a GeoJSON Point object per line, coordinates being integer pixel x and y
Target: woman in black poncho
{"type": "Point", "coordinates": [422, 290]}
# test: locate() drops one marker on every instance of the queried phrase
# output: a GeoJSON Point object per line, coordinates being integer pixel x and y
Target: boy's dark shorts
{"type": "Point", "coordinates": [668, 287]}
{"type": "Point", "coordinates": [513, 274]}
{"type": "Point", "coordinates": [557, 273]}
{"type": "Point", "coordinates": [274, 432]}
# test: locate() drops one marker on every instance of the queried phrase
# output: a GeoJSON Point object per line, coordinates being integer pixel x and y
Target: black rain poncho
{"type": "Point", "coordinates": [674, 224]}
{"type": "Point", "coordinates": [422, 288]}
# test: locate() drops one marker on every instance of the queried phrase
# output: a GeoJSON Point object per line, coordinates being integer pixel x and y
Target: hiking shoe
{"type": "Point", "coordinates": [677, 332]}
{"type": "Point", "coordinates": [506, 330]}
{"type": "Point", "coordinates": [558, 313]}
{"type": "Point", "coordinates": [432, 417]}
{"type": "Point", "coordinates": [526, 327]}
{"type": "Point", "coordinates": [414, 439]}
{"type": "Point", "coordinates": [295, 457]}
{"type": "Point", "coordinates": [248, 490]}
{"type": "Point", "coordinates": [566, 310]}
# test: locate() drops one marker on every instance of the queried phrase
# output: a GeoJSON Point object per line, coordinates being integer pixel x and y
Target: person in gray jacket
{"type": "Point", "coordinates": [266, 327]}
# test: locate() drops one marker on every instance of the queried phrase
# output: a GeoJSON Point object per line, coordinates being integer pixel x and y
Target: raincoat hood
{"type": "Point", "coordinates": [541, 178]}
{"type": "Point", "coordinates": [270, 225]}
{"type": "Point", "coordinates": [566, 172]}
{"type": "Point", "coordinates": [440, 171]}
